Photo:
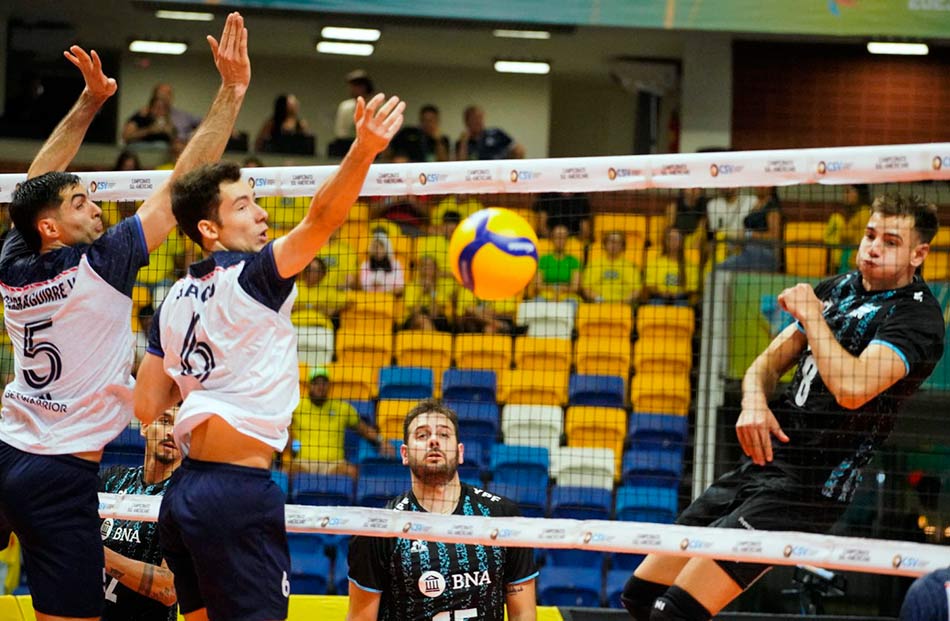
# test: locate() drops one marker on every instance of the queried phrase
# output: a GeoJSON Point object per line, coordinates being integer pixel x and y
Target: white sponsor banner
{"type": "Point", "coordinates": [750, 168]}
{"type": "Point", "coordinates": [879, 164]}
{"type": "Point", "coordinates": [123, 185]}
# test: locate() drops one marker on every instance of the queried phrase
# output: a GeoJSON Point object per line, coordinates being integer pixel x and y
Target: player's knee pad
{"type": "Point", "coordinates": [638, 596]}
{"type": "Point", "coordinates": [678, 605]}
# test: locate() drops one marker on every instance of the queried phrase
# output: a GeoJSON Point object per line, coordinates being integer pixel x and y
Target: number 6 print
{"type": "Point", "coordinates": [193, 347]}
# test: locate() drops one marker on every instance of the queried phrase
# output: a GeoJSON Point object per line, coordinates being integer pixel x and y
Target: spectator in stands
{"type": "Point", "coordinates": [139, 584]}
{"type": "Point", "coordinates": [252, 161]}
{"type": "Point", "coordinates": [341, 261]}
{"type": "Point", "coordinates": [317, 430]}
{"type": "Point", "coordinates": [316, 295]}
{"type": "Point", "coordinates": [846, 228]}
{"type": "Point", "coordinates": [426, 142]}
{"type": "Point", "coordinates": [571, 210]}
{"type": "Point", "coordinates": [559, 273]}
{"type": "Point", "coordinates": [285, 121]}
{"type": "Point", "coordinates": [687, 213]}
{"type": "Point", "coordinates": [382, 271]}
{"type": "Point", "coordinates": [153, 124]}
{"type": "Point", "coordinates": [667, 277]}
{"type": "Point", "coordinates": [436, 244]}
{"type": "Point", "coordinates": [928, 598]}
{"type": "Point", "coordinates": [429, 298]}
{"type": "Point", "coordinates": [127, 160]}
{"type": "Point", "coordinates": [478, 142]}
{"type": "Point", "coordinates": [611, 277]}
{"type": "Point", "coordinates": [726, 212]}
{"type": "Point", "coordinates": [759, 250]}
{"type": "Point", "coordinates": [185, 122]}
{"type": "Point", "coordinates": [360, 85]}
{"type": "Point", "coordinates": [487, 316]}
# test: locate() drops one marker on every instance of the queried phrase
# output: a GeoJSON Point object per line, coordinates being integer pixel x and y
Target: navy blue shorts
{"type": "Point", "coordinates": [51, 503]}
{"type": "Point", "coordinates": [223, 534]}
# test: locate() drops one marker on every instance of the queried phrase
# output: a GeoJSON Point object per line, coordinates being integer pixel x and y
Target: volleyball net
{"type": "Point", "coordinates": [601, 399]}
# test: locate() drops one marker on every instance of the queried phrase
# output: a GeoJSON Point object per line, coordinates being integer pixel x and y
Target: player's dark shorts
{"type": "Point", "coordinates": [51, 503]}
{"type": "Point", "coordinates": [223, 534]}
{"type": "Point", "coordinates": [766, 497]}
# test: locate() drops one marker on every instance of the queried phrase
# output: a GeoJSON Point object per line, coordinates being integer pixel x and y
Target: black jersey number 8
{"type": "Point", "coordinates": [32, 350]}
{"type": "Point", "coordinates": [193, 347]}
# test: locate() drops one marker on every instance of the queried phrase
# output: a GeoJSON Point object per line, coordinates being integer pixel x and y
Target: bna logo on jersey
{"type": "Point", "coordinates": [106, 529]}
{"type": "Point", "coordinates": [432, 584]}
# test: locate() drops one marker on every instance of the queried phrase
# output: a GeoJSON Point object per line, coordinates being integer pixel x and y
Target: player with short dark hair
{"type": "Point", "coordinates": [414, 580]}
{"type": "Point", "coordinates": [863, 341]}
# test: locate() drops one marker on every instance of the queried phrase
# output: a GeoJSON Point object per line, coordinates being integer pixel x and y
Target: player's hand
{"type": "Point", "coordinates": [230, 55]}
{"type": "Point", "coordinates": [98, 85]}
{"type": "Point", "coordinates": [801, 303]}
{"type": "Point", "coordinates": [754, 429]}
{"type": "Point", "coordinates": [377, 122]}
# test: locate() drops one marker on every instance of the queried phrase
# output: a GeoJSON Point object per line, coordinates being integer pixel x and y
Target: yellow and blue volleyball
{"type": "Point", "coordinates": [494, 253]}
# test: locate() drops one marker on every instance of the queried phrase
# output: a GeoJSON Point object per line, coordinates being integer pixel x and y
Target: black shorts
{"type": "Point", "coordinates": [766, 497]}
{"type": "Point", "coordinates": [51, 503]}
{"type": "Point", "coordinates": [223, 534]}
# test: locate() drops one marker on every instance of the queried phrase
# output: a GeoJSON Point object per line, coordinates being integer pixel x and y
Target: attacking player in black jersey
{"type": "Point", "coordinates": [863, 341]}
{"type": "Point", "coordinates": [414, 580]}
{"type": "Point", "coordinates": [139, 586]}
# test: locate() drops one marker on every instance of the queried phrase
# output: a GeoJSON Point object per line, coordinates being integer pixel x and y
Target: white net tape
{"type": "Point", "coordinates": [772, 547]}
{"type": "Point", "coordinates": [891, 163]}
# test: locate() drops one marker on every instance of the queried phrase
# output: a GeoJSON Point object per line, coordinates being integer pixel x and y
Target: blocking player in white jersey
{"type": "Point", "coordinates": [222, 340]}
{"type": "Point", "coordinates": [66, 286]}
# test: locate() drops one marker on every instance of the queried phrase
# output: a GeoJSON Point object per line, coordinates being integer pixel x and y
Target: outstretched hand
{"type": "Point", "coordinates": [377, 122]}
{"type": "Point", "coordinates": [98, 85]}
{"type": "Point", "coordinates": [230, 55]}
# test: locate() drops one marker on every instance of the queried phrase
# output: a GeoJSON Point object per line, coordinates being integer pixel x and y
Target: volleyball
{"type": "Point", "coordinates": [494, 253]}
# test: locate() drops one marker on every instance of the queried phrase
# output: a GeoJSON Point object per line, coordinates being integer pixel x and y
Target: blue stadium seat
{"type": "Point", "coordinates": [598, 390]}
{"type": "Point", "coordinates": [309, 573]}
{"type": "Point", "coordinates": [302, 544]}
{"type": "Point", "coordinates": [469, 385]}
{"type": "Point", "coordinates": [646, 504]}
{"type": "Point", "coordinates": [353, 444]}
{"type": "Point", "coordinates": [281, 479]}
{"type": "Point", "coordinates": [323, 489]}
{"type": "Point", "coordinates": [126, 449]}
{"type": "Point", "coordinates": [405, 383]}
{"type": "Point", "coordinates": [568, 586]}
{"type": "Point", "coordinates": [532, 499]}
{"type": "Point", "coordinates": [377, 491]}
{"type": "Point", "coordinates": [652, 466]}
{"type": "Point", "coordinates": [569, 557]}
{"type": "Point", "coordinates": [626, 562]}
{"type": "Point", "coordinates": [580, 503]}
{"type": "Point", "coordinates": [366, 410]}
{"type": "Point", "coordinates": [613, 586]}
{"type": "Point", "coordinates": [657, 431]}
{"type": "Point", "coordinates": [383, 468]}
{"type": "Point", "coordinates": [520, 465]}
{"type": "Point", "coordinates": [341, 581]}
{"type": "Point", "coordinates": [478, 423]}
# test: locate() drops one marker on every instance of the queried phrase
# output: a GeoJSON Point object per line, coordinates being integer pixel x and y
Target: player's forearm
{"type": "Point", "coordinates": [843, 374]}
{"type": "Point", "coordinates": [331, 204]}
{"type": "Point", "coordinates": [152, 581]}
{"type": "Point", "coordinates": [520, 601]}
{"type": "Point", "coordinates": [63, 144]}
{"type": "Point", "coordinates": [209, 140]}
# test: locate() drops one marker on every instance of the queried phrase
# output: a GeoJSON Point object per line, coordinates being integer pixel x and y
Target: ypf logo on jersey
{"type": "Point", "coordinates": [432, 584]}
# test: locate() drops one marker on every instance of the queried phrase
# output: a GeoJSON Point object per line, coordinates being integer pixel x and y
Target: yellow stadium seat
{"type": "Point", "coordinates": [655, 320]}
{"type": "Point", "coordinates": [359, 212]}
{"type": "Point", "coordinates": [661, 393]}
{"type": "Point", "coordinates": [356, 235]}
{"type": "Point", "coordinates": [634, 228]}
{"type": "Point", "coordinates": [483, 351]}
{"type": "Point", "coordinates": [610, 320]}
{"type": "Point", "coordinates": [937, 264]}
{"type": "Point", "coordinates": [422, 348]}
{"type": "Point", "coordinates": [656, 229]}
{"type": "Point", "coordinates": [597, 427]}
{"type": "Point", "coordinates": [602, 355]}
{"type": "Point", "coordinates": [390, 414]}
{"type": "Point", "coordinates": [533, 386]}
{"type": "Point", "coordinates": [353, 382]}
{"type": "Point", "coordinates": [535, 352]}
{"type": "Point", "coordinates": [663, 355]}
{"type": "Point", "coordinates": [369, 312]}
{"type": "Point", "coordinates": [805, 252]}
{"type": "Point", "coordinates": [364, 349]}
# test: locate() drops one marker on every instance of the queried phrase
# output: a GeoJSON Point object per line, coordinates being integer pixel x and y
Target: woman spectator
{"type": "Point", "coordinates": [667, 277]}
{"type": "Point", "coordinates": [153, 126]}
{"type": "Point", "coordinates": [763, 234]}
{"type": "Point", "coordinates": [127, 160]}
{"type": "Point", "coordinates": [382, 271]}
{"type": "Point", "coordinates": [285, 121]}
{"type": "Point", "coordinates": [429, 297]}
{"type": "Point", "coordinates": [611, 277]}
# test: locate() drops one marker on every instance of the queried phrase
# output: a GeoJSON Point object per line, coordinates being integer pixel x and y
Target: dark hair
{"type": "Point", "coordinates": [428, 108]}
{"type": "Point", "coordinates": [251, 160]}
{"type": "Point", "coordinates": [365, 83]}
{"type": "Point", "coordinates": [127, 155]}
{"type": "Point", "coordinates": [280, 113]}
{"type": "Point", "coordinates": [430, 406]}
{"type": "Point", "coordinates": [451, 217]}
{"type": "Point", "coordinates": [924, 213]}
{"type": "Point", "coordinates": [34, 197]}
{"type": "Point", "coordinates": [864, 193]}
{"type": "Point", "coordinates": [197, 195]}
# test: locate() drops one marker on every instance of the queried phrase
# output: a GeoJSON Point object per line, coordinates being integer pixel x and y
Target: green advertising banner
{"type": "Point", "coordinates": [895, 18]}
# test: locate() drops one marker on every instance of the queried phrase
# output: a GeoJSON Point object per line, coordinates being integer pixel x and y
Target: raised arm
{"type": "Point", "coordinates": [209, 140]}
{"type": "Point", "coordinates": [153, 581]}
{"type": "Point", "coordinates": [376, 124]}
{"type": "Point", "coordinates": [63, 144]}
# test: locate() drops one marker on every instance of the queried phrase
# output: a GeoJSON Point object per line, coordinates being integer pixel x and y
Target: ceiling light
{"type": "Point", "coordinates": [522, 66]}
{"type": "Point", "coordinates": [347, 49]}
{"type": "Point", "coordinates": [904, 49]}
{"type": "Point", "coordinates": [350, 34]}
{"type": "Point", "coordinates": [522, 34]}
{"type": "Point", "coordinates": [157, 47]}
{"type": "Point", "coordinates": [189, 16]}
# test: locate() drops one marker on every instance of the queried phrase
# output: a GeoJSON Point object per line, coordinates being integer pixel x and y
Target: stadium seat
{"type": "Point", "coordinates": [575, 466]}
{"type": "Point", "coordinates": [532, 352]}
{"type": "Point", "coordinates": [390, 415]}
{"type": "Point", "coordinates": [582, 560]}
{"type": "Point", "coordinates": [478, 423]}
{"type": "Point", "coordinates": [532, 425]}
{"type": "Point", "coordinates": [369, 313]}
{"type": "Point", "coordinates": [597, 427]}
{"type": "Point", "coordinates": [634, 228]}
{"type": "Point", "coordinates": [937, 264]}
{"type": "Point", "coordinates": [469, 385]}
{"type": "Point", "coordinates": [665, 321]}
{"type": "Point", "coordinates": [656, 467]}
{"type": "Point", "coordinates": [601, 390]}
{"type": "Point", "coordinates": [606, 320]}
{"type": "Point", "coordinates": [532, 499]}
{"type": "Point", "coordinates": [490, 352]}
{"type": "Point", "coordinates": [569, 586]}
{"type": "Point", "coordinates": [374, 491]}
{"type": "Point", "coordinates": [616, 579]}
{"type": "Point", "coordinates": [580, 503]}
{"type": "Point", "coordinates": [351, 382]}
{"type": "Point", "coordinates": [520, 465]}
{"type": "Point", "coordinates": [405, 383]}
{"type": "Point", "coordinates": [364, 349]}
{"type": "Point", "coordinates": [805, 251]}
{"type": "Point", "coordinates": [547, 319]}
{"type": "Point", "coordinates": [646, 504]}
{"type": "Point", "coordinates": [534, 386]}
{"type": "Point", "coordinates": [601, 355]}
{"type": "Point", "coordinates": [323, 489]}
{"type": "Point", "coordinates": [476, 459]}
{"type": "Point", "coordinates": [365, 409]}
{"type": "Point", "coordinates": [421, 348]}
{"type": "Point", "coordinates": [660, 392]}
{"type": "Point", "coordinates": [656, 431]}
{"type": "Point", "coordinates": [126, 449]}
{"type": "Point", "coordinates": [315, 345]}
{"type": "Point", "coordinates": [626, 562]}
{"type": "Point", "coordinates": [652, 354]}
{"type": "Point", "coordinates": [309, 573]}
{"type": "Point", "coordinates": [281, 480]}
